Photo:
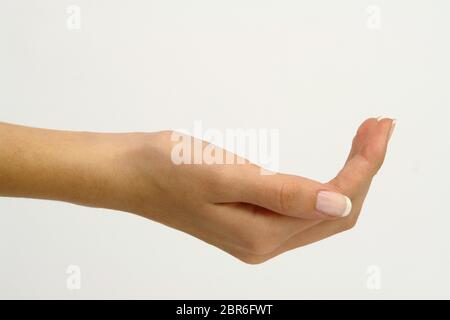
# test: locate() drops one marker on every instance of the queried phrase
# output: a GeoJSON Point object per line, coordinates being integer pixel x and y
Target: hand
{"type": "Point", "coordinates": [253, 217]}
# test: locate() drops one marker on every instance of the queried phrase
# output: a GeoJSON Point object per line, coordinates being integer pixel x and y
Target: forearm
{"type": "Point", "coordinates": [58, 165]}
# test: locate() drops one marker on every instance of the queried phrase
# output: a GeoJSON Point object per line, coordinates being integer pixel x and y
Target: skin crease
{"type": "Point", "coordinates": [251, 216]}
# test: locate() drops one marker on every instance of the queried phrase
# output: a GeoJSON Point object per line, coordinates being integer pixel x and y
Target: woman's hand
{"type": "Point", "coordinates": [234, 207]}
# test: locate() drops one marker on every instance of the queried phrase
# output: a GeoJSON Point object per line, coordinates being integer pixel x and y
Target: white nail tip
{"type": "Point", "coordinates": [333, 204]}
{"type": "Point", "coordinates": [348, 208]}
{"type": "Point", "coordinates": [394, 122]}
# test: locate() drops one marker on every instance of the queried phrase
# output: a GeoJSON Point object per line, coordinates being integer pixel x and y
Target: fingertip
{"type": "Point", "coordinates": [366, 126]}
{"type": "Point", "coordinates": [387, 126]}
{"type": "Point", "coordinates": [348, 207]}
{"type": "Point", "coordinates": [391, 131]}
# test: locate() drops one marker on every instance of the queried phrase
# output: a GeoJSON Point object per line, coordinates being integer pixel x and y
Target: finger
{"type": "Point", "coordinates": [288, 195]}
{"type": "Point", "coordinates": [360, 137]}
{"type": "Point", "coordinates": [367, 155]}
{"type": "Point", "coordinates": [245, 228]}
{"type": "Point", "coordinates": [260, 227]}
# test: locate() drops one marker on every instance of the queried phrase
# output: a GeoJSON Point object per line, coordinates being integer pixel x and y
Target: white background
{"type": "Point", "coordinates": [312, 69]}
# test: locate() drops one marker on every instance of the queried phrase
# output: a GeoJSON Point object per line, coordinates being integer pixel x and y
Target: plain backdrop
{"type": "Point", "coordinates": [312, 69]}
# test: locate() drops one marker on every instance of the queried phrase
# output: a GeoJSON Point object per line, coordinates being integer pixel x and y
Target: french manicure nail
{"type": "Point", "coordinates": [333, 204]}
{"type": "Point", "coordinates": [394, 122]}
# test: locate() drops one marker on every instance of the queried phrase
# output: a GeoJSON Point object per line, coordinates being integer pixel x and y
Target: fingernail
{"type": "Point", "coordinates": [381, 118]}
{"type": "Point", "coordinates": [394, 122]}
{"type": "Point", "coordinates": [333, 204]}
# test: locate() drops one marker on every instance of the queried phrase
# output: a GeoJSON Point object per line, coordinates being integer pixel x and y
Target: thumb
{"type": "Point", "coordinates": [291, 195]}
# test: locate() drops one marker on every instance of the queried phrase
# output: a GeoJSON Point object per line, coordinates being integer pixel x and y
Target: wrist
{"type": "Point", "coordinates": [107, 174]}
{"type": "Point", "coordinates": [110, 170]}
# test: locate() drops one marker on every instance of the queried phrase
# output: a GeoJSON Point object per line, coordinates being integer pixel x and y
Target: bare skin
{"type": "Point", "coordinates": [253, 217]}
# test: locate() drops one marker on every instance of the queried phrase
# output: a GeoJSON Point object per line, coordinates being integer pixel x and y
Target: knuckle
{"type": "Point", "coordinates": [260, 241]}
{"type": "Point", "coordinates": [252, 259]}
{"type": "Point", "coordinates": [287, 194]}
{"type": "Point", "coordinates": [374, 155]}
{"type": "Point", "coordinates": [258, 245]}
